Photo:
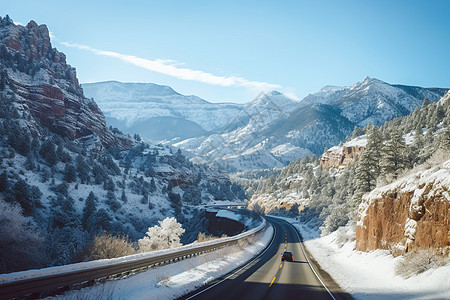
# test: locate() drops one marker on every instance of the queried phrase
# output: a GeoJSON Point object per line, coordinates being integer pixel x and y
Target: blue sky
{"type": "Point", "coordinates": [231, 50]}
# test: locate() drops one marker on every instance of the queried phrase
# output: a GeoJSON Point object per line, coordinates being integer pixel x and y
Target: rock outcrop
{"type": "Point", "coordinates": [341, 156]}
{"type": "Point", "coordinates": [40, 81]}
{"type": "Point", "coordinates": [409, 214]}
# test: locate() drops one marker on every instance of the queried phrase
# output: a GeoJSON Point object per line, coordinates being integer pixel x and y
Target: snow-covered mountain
{"type": "Point", "coordinates": [243, 144]}
{"type": "Point", "coordinates": [273, 130]}
{"type": "Point", "coordinates": [374, 101]}
{"type": "Point", "coordinates": [158, 112]}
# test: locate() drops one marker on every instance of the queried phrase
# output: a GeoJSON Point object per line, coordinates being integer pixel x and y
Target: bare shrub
{"type": "Point", "coordinates": [419, 261]}
{"type": "Point", "coordinates": [20, 240]}
{"type": "Point", "coordinates": [109, 246]}
{"type": "Point", "coordinates": [345, 235]}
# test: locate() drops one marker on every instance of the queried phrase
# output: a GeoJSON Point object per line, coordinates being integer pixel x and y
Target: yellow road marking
{"type": "Point", "coordinates": [281, 265]}
{"type": "Point", "coordinates": [272, 281]}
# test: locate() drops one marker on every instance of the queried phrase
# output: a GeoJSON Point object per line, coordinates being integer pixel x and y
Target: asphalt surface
{"type": "Point", "coordinates": [268, 277]}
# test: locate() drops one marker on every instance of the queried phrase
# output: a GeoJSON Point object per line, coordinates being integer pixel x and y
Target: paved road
{"type": "Point", "coordinates": [268, 277]}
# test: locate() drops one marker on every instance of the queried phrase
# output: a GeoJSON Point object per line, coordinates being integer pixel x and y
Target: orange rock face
{"type": "Point", "coordinates": [340, 156]}
{"type": "Point", "coordinates": [408, 215]}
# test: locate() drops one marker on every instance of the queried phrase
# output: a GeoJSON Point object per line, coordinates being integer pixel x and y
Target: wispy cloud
{"type": "Point", "coordinates": [171, 68]}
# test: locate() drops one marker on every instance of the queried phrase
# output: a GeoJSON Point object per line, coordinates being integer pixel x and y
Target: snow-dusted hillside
{"type": "Point", "coordinates": [66, 178]}
{"type": "Point", "coordinates": [136, 107]}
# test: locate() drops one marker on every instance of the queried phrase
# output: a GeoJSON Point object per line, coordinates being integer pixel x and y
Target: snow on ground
{"type": "Point", "coordinates": [359, 141]}
{"type": "Point", "coordinates": [177, 279]}
{"type": "Point", "coordinates": [371, 275]}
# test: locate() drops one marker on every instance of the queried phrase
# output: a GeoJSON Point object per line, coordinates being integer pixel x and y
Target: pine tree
{"type": "Point", "coordinates": [373, 149]}
{"type": "Point", "coordinates": [124, 197]}
{"type": "Point", "coordinates": [21, 192]}
{"type": "Point", "coordinates": [70, 173]}
{"type": "Point", "coordinates": [89, 210]}
{"type": "Point", "coordinates": [152, 185]}
{"type": "Point", "coordinates": [102, 220]}
{"type": "Point", "coordinates": [393, 155]}
{"type": "Point", "coordinates": [82, 169]}
{"type": "Point", "coordinates": [425, 103]}
{"type": "Point", "coordinates": [29, 162]}
{"type": "Point", "coordinates": [444, 140]}
{"type": "Point", "coordinates": [48, 152]}
{"type": "Point", "coordinates": [416, 147]}
{"type": "Point", "coordinates": [366, 177]}
{"type": "Point", "coordinates": [4, 182]}
{"type": "Point", "coordinates": [144, 199]}
{"type": "Point", "coordinates": [112, 202]}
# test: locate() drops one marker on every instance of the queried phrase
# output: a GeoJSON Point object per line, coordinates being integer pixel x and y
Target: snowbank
{"type": "Point", "coordinates": [177, 279]}
{"type": "Point", "coordinates": [370, 275]}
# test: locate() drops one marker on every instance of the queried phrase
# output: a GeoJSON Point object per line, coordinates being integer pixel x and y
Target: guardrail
{"type": "Point", "coordinates": [25, 283]}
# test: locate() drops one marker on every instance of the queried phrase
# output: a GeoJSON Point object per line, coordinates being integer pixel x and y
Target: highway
{"type": "Point", "coordinates": [267, 277]}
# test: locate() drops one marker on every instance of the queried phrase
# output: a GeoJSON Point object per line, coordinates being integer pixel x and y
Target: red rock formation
{"type": "Point", "coordinates": [40, 78]}
{"type": "Point", "coordinates": [341, 156]}
{"type": "Point", "coordinates": [412, 213]}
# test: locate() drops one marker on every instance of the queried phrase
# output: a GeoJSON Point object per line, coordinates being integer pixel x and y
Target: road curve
{"type": "Point", "coordinates": [267, 277]}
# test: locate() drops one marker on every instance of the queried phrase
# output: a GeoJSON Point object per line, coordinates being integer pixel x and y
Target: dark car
{"type": "Point", "coordinates": [287, 256]}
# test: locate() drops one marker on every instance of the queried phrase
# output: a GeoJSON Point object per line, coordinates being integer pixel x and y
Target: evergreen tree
{"type": "Point", "coordinates": [109, 185]}
{"type": "Point", "coordinates": [21, 192]}
{"type": "Point", "coordinates": [144, 199]}
{"type": "Point", "coordinates": [366, 177]}
{"type": "Point", "coordinates": [393, 155]}
{"type": "Point", "coordinates": [357, 131]}
{"type": "Point", "coordinates": [29, 162]}
{"type": "Point", "coordinates": [425, 103]}
{"type": "Point", "coordinates": [112, 202]}
{"type": "Point", "coordinates": [373, 149]}
{"type": "Point", "coordinates": [124, 197]}
{"type": "Point", "coordinates": [48, 152]}
{"type": "Point", "coordinates": [102, 220]}
{"type": "Point", "coordinates": [175, 202]}
{"type": "Point", "coordinates": [4, 182]}
{"type": "Point", "coordinates": [82, 169]}
{"type": "Point", "coordinates": [444, 140]}
{"type": "Point", "coordinates": [64, 214]}
{"type": "Point", "coordinates": [88, 214]}
{"type": "Point", "coordinates": [70, 173]}
{"type": "Point", "coordinates": [152, 185]}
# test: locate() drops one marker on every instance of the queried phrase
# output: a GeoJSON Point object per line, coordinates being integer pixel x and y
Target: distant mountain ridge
{"type": "Point", "coordinates": [157, 111]}
{"type": "Point", "coordinates": [268, 132]}
{"type": "Point", "coordinates": [306, 127]}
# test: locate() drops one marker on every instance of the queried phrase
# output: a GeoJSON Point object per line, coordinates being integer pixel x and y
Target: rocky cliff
{"type": "Point", "coordinates": [342, 156]}
{"type": "Point", "coordinates": [40, 81]}
{"type": "Point", "coordinates": [411, 213]}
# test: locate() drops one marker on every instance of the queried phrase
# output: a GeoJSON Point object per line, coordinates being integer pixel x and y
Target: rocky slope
{"type": "Point", "coordinates": [158, 112]}
{"type": "Point", "coordinates": [44, 85]}
{"type": "Point", "coordinates": [409, 214]}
